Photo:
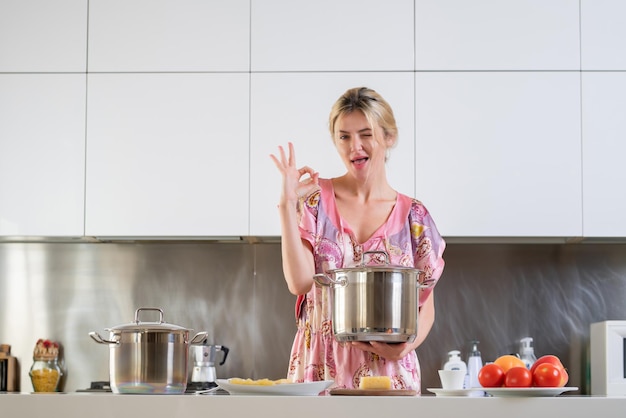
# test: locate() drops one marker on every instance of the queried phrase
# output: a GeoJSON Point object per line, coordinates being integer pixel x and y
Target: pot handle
{"type": "Point", "coordinates": [199, 338]}
{"type": "Point", "coordinates": [374, 252]}
{"type": "Point", "coordinates": [426, 283]}
{"type": "Point", "coordinates": [327, 281]}
{"type": "Point", "coordinates": [159, 310]}
{"type": "Point", "coordinates": [97, 338]}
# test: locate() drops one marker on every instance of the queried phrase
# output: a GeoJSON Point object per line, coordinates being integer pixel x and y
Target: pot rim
{"type": "Point", "coordinates": [375, 269]}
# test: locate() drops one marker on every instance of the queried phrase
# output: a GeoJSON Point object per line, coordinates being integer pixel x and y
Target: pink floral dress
{"type": "Point", "coordinates": [411, 239]}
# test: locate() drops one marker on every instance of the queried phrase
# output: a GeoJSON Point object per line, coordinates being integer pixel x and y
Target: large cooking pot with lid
{"type": "Point", "coordinates": [374, 302]}
{"type": "Point", "coordinates": [149, 357]}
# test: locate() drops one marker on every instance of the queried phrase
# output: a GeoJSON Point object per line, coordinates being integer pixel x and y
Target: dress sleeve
{"type": "Point", "coordinates": [307, 214]}
{"type": "Point", "coordinates": [428, 247]}
{"type": "Point", "coordinates": [307, 224]}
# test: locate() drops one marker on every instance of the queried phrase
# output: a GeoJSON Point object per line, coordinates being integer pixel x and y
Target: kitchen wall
{"type": "Point", "coordinates": [236, 292]}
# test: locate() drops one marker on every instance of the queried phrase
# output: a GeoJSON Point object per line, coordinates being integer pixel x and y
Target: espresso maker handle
{"type": "Point", "coordinates": [225, 350]}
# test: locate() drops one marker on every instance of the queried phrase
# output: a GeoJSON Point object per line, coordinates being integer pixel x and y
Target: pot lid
{"type": "Point", "coordinates": [141, 326]}
{"type": "Point", "coordinates": [384, 267]}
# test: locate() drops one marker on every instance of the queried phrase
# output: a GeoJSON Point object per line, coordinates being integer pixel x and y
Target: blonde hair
{"type": "Point", "coordinates": [374, 107]}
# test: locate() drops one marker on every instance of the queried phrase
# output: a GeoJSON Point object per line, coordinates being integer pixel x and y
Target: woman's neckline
{"type": "Point", "coordinates": [343, 225]}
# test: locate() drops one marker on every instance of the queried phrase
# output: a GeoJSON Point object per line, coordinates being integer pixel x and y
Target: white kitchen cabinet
{"type": "Point", "coordinates": [499, 153]}
{"type": "Point", "coordinates": [167, 155]}
{"type": "Point", "coordinates": [295, 107]}
{"type": "Point", "coordinates": [42, 154]}
{"type": "Point", "coordinates": [603, 30]}
{"type": "Point", "coordinates": [169, 35]}
{"type": "Point", "coordinates": [497, 35]}
{"type": "Point", "coordinates": [327, 35]}
{"type": "Point", "coordinates": [604, 148]}
{"type": "Point", "coordinates": [43, 35]}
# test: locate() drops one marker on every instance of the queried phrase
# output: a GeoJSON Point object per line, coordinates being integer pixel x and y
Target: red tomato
{"type": "Point", "coordinates": [547, 375]}
{"type": "Point", "coordinates": [518, 377]}
{"type": "Point", "coordinates": [547, 359]}
{"type": "Point", "coordinates": [491, 376]}
{"type": "Point", "coordinates": [556, 362]}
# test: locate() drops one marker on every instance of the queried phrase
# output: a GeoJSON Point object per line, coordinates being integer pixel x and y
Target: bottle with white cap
{"type": "Point", "coordinates": [474, 364]}
{"type": "Point", "coordinates": [527, 352]}
{"type": "Point", "coordinates": [454, 361]}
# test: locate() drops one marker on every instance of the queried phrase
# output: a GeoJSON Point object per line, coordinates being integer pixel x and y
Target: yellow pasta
{"type": "Point", "coordinates": [45, 380]}
{"type": "Point", "coordinates": [258, 382]}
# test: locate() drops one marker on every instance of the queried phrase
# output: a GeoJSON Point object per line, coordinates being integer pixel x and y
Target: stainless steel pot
{"type": "Point", "coordinates": [374, 303]}
{"type": "Point", "coordinates": [148, 357]}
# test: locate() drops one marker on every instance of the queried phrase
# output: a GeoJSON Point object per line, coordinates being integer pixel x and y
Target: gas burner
{"type": "Point", "coordinates": [97, 387]}
{"type": "Point", "coordinates": [196, 386]}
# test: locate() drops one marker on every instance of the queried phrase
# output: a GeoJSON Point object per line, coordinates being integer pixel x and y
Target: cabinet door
{"type": "Point", "coordinates": [167, 155]}
{"type": "Point", "coordinates": [604, 174]}
{"type": "Point", "coordinates": [329, 35]}
{"type": "Point", "coordinates": [169, 35]}
{"type": "Point", "coordinates": [295, 107]}
{"type": "Point", "coordinates": [499, 154]}
{"type": "Point", "coordinates": [497, 35]}
{"type": "Point", "coordinates": [603, 30]}
{"type": "Point", "coordinates": [43, 35]}
{"type": "Point", "coordinates": [42, 154]}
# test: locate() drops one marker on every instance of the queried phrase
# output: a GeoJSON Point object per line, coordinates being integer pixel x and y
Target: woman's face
{"type": "Point", "coordinates": [361, 148]}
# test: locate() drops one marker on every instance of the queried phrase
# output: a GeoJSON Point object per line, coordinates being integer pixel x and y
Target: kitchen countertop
{"type": "Point", "coordinates": [101, 405]}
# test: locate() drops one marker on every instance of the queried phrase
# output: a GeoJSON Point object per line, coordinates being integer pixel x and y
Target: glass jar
{"type": "Point", "coordinates": [45, 374]}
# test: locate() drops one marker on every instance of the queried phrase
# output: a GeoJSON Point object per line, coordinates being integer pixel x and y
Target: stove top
{"type": "Point", "coordinates": [97, 387]}
{"type": "Point", "coordinates": [196, 386]}
{"type": "Point", "coordinates": [192, 387]}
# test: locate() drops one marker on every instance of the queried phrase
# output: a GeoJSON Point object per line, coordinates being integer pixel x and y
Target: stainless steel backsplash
{"type": "Point", "coordinates": [236, 292]}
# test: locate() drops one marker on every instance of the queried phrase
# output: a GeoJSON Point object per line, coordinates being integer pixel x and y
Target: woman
{"type": "Point", "coordinates": [329, 223]}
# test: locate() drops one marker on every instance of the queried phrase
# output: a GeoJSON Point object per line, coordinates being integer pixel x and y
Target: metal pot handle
{"type": "Point", "coordinates": [199, 338]}
{"type": "Point", "coordinates": [159, 310]}
{"type": "Point", "coordinates": [327, 281]}
{"type": "Point", "coordinates": [426, 284]}
{"type": "Point", "coordinates": [97, 338]}
{"type": "Point", "coordinates": [374, 252]}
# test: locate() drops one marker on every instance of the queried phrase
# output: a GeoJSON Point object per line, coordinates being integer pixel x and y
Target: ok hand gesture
{"type": "Point", "coordinates": [293, 187]}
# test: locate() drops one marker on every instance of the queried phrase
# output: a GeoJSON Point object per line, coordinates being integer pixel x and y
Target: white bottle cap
{"type": "Point", "coordinates": [526, 345]}
{"type": "Point", "coordinates": [454, 354]}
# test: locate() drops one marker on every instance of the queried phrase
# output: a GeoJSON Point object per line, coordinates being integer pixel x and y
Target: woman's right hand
{"type": "Point", "coordinates": [298, 263]}
{"type": "Point", "coordinates": [293, 187]}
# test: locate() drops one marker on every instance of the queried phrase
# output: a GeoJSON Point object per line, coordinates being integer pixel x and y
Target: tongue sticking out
{"type": "Point", "coordinates": [360, 161]}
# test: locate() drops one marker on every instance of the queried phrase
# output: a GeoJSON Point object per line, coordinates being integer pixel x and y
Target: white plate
{"type": "Point", "coordinates": [453, 392]}
{"type": "Point", "coordinates": [526, 392]}
{"type": "Point", "coordinates": [298, 389]}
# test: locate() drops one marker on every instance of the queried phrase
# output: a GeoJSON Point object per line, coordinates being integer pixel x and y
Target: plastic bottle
{"type": "Point", "coordinates": [456, 363]}
{"type": "Point", "coordinates": [527, 351]}
{"type": "Point", "coordinates": [474, 364]}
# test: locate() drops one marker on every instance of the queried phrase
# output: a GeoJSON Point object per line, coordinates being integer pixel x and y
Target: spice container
{"type": "Point", "coordinates": [8, 370]}
{"type": "Point", "coordinates": [45, 372]}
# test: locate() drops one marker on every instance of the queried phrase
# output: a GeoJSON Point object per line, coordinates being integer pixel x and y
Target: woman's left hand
{"type": "Point", "coordinates": [395, 351]}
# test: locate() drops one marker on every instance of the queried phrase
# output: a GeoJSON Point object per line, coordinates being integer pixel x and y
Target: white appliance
{"type": "Point", "coordinates": [608, 358]}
